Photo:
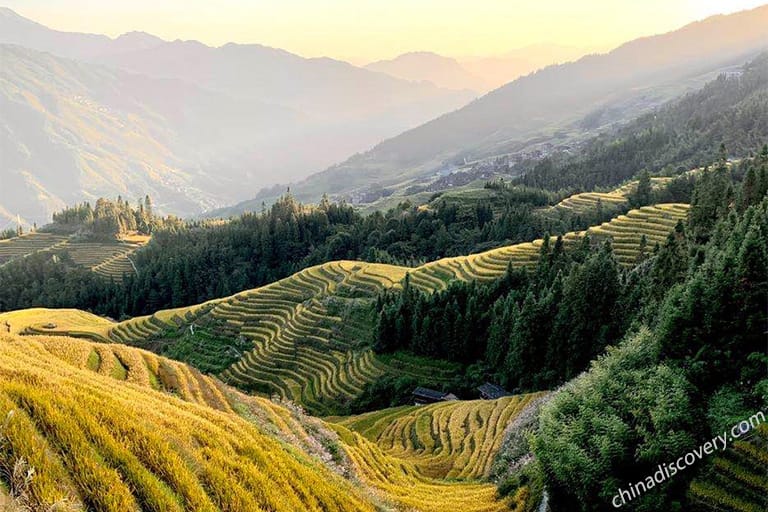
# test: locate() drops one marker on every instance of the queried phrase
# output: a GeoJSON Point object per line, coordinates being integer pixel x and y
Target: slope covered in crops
{"type": "Point", "coordinates": [456, 439]}
{"type": "Point", "coordinates": [307, 337]}
{"type": "Point", "coordinates": [737, 480]}
{"type": "Point", "coordinates": [112, 428]}
{"type": "Point", "coordinates": [408, 489]}
{"type": "Point", "coordinates": [625, 231]}
{"type": "Point", "coordinates": [109, 259]}
{"type": "Point", "coordinates": [87, 418]}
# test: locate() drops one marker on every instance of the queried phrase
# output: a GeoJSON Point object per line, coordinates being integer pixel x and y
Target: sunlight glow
{"type": "Point", "coordinates": [364, 30]}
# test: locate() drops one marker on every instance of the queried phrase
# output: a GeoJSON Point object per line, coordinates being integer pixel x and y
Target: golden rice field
{"type": "Point", "coordinates": [588, 201]}
{"type": "Point", "coordinates": [456, 440]}
{"type": "Point", "coordinates": [302, 351]}
{"type": "Point", "coordinates": [404, 486]}
{"type": "Point", "coordinates": [112, 428]}
{"type": "Point", "coordinates": [739, 471]}
{"type": "Point", "coordinates": [310, 339]}
{"type": "Point", "coordinates": [21, 246]}
{"type": "Point", "coordinates": [625, 232]}
{"type": "Point", "coordinates": [71, 322]}
{"type": "Point", "coordinates": [111, 260]}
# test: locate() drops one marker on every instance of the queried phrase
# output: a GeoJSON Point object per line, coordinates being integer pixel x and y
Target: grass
{"type": "Point", "coordinates": [99, 440]}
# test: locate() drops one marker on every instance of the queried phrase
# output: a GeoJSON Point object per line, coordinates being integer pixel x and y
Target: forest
{"type": "Point", "coordinates": [689, 320]}
{"type": "Point", "coordinates": [195, 261]}
{"type": "Point", "coordinates": [107, 220]}
{"type": "Point", "coordinates": [681, 135]}
{"type": "Point", "coordinates": [575, 302]}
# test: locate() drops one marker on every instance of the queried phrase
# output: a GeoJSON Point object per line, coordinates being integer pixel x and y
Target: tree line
{"type": "Point", "coordinates": [692, 363]}
{"type": "Point", "coordinates": [192, 262]}
{"type": "Point", "coordinates": [109, 219]}
{"type": "Point", "coordinates": [534, 330]}
{"type": "Point", "coordinates": [680, 135]}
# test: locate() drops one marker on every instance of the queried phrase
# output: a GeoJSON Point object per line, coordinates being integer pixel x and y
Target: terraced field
{"type": "Point", "coordinates": [310, 332]}
{"type": "Point", "coordinates": [588, 201]}
{"type": "Point", "coordinates": [309, 345]}
{"type": "Point", "coordinates": [69, 322]}
{"type": "Point", "coordinates": [21, 246]}
{"type": "Point", "coordinates": [97, 443]}
{"type": "Point", "coordinates": [625, 231]}
{"type": "Point", "coordinates": [113, 428]}
{"type": "Point", "coordinates": [739, 471]}
{"type": "Point", "coordinates": [110, 260]}
{"type": "Point", "coordinates": [408, 489]}
{"type": "Point", "coordinates": [303, 351]}
{"type": "Point", "coordinates": [456, 440]}
{"type": "Point", "coordinates": [138, 367]}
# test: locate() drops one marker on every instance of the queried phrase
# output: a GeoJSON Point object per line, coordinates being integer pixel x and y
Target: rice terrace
{"type": "Point", "coordinates": [385, 257]}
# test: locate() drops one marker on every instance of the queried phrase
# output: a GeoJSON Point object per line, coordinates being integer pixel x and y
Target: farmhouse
{"type": "Point", "coordinates": [490, 391]}
{"type": "Point", "coordinates": [422, 396]}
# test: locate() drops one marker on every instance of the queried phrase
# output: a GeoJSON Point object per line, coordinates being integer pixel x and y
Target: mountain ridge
{"type": "Point", "coordinates": [430, 67]}
{"type": "Point", "coordinates": [197, 153]}
{"type": "Point", "coordinates": [652, 69]}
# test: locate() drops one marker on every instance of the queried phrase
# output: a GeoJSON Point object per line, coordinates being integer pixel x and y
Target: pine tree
{"type": "Point", "coordinates": [643, 193]}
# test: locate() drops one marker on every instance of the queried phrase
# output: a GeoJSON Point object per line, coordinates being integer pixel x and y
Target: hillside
{"type": "Point", "coordinates": [501, 69]}
{"type": "Point", "coordinates": [134, 431]}
{"type": "Point", "coordinates": [539, 111]}
{"type": "Point", "coordinates": [110, 260]}
{"type": "Point", "coordinates": [187, 123]}
{"type": "Point", "coordinates": [72, 131]}
{"type": "Point", "coordinates": [109, 445]}
{"type": "Point", "coordinates": [614, 337]}
{"type": "Point", "coordinates": [430, 67]}
{"type": "Point", "coordinates": [311, 331]}
{"type": "Point", "coordinates": [455, 439]}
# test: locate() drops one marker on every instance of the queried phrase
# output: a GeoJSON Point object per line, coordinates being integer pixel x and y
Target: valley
{"type": "Point", "coordinates": [520, 284]}
{"type": "Point", "coordinates": [309, 330]}
{"type": "Point", "coordinates": [305, 341]}
{"type": "Point", "coordinates": [184, 454]}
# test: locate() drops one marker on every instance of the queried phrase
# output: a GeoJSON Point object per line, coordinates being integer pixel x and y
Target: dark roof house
{"type": "Point", "coordinates": [423, 396]}
{"type": "Point", "coordinates": [490, 391]}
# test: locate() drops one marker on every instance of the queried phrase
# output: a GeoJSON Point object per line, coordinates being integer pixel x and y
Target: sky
{"type": "Point", "coordinates": [367, 30]}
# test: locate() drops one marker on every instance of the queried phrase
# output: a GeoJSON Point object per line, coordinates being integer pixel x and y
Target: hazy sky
{"type": "Point", "coordinates": [364, 30]}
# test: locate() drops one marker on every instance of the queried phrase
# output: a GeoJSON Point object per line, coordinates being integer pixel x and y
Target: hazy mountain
{"type": "Point", "coordinates": [550, 103]}
{"type": "Point", "coordinates": [430, 67]}
{"type": "Point", "coordinates": [499, 70]}
{"type": "Point", "coordinates": [217, 123]}
{"type": "Point", "coordinates": [475, 73]}
{"type": "Point", "coordinates": [328, 89]}
{"type": "Point", "coordinates": [71, 131]}
{"type": "Point", "coordinates": [15, 29]}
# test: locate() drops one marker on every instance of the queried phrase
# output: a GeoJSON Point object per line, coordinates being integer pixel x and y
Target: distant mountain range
{"type": "Point", "coordinates": [554, 105]}
{"type": "Point", "coordinates": [480, 74]}
{"type": "Point", "coordinates": [430, 67]}
{"type": "Point", "coordinates": [500, 70]}
{"type": "Point", "coordinates": [85, 115]}
{"type": "Point", "coordinates": [197, 127]}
